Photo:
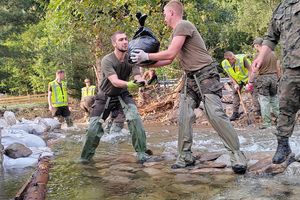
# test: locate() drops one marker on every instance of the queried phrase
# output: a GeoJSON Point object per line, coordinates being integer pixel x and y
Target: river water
{"type": "Point", "coordinates": [115, 175]}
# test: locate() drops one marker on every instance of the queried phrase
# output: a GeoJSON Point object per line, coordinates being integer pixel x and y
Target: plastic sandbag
{"type": "Point", "coordinates": [143, 39]}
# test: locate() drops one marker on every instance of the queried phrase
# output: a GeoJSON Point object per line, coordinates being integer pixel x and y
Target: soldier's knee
{"type": "Point", "coordinates": [132, 112]}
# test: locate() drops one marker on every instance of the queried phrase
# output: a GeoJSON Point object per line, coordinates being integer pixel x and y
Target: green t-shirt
{"type": "Point", "coordinates": [110, 65]}
{"type": "Point", "coordinates": [193, 54]}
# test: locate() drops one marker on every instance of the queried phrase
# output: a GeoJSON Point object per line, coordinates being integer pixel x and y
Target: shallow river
{"type": "Point", "coordinates": [115, 175]}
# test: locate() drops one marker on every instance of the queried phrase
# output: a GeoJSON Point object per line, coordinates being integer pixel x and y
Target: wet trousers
{"type": "Point", "coordinates": [100, 111]}
{"type": "Point", "coordinates": [211, 89]}
{"type": "Point", "coordinates": [267, 89]}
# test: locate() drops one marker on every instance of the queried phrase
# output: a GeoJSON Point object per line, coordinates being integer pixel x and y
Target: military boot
{"type": "Point", "coordinates": [234, 116]}
{"type": "Point", "coordinates": [238, 162]}
{"type": "Point", "coordinates": [283, 150]}
{"type": "Point", "coordinates": [69, 121]}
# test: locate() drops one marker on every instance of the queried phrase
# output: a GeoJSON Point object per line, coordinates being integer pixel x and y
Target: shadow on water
{"type": "Point", "coordinates": [115, 174]}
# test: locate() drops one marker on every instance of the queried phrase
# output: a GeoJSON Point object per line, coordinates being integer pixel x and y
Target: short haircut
{"type": "Point", "coordinates": [60, 71]}
{"type": "Point", "coordinates": [228, 54]}
{"type": "Point", "coordinates": [113, 36]}
{"type": "Point", "coordinates": [176, 5]}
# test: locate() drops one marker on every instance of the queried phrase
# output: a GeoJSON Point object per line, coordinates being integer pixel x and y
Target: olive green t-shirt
{"type": "Point", "coordinates": [193, 54]}
{"type": "Point", "coordinates": [110, 65]}
{"type": "Point", "coordinates": [269, 65]}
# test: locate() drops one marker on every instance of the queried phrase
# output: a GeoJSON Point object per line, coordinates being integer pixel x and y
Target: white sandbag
{"type": "Point", "coordinates": [24, 138]}
{"type": "Point", "coordinates": [49, 122]}
{"type": "Point", "coordinates": [41, 152]}
{"type": "Point", "coordinates": [10, 118]}
{"type": "Point", "coordinates": [3, 123]}
{"type": "Point", "coordinates": [10, 163]}
{"type": "Point", "coordinates": [20, 126]}
{"type": "Point", "coordinates": [29, 127]}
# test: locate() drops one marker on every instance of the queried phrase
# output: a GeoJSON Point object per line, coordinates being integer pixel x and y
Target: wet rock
{"type": "Point", "coordinates": [266, 166]}
{"type": "Point", "coordinates": [188, 188]}
{"type": "Point", "coordinates": [210, 164]}
{"type": "Point", "coordinates": [122, 167]}
{"type": "Point", "coordinates": [209, 156]}
{"type": "Point", "coordinates": [212, 171]}
{"type": "Point", "coordinates": [10, 118]}
{"type": "Point", "coordinates": [187, 178]}
{"type": "Point", "coordinates": [117, 179]}
{"type": "Point", "coordinates": [225, 158]}
{"type": "Point", "coordinates": [17, 150]}
{"type": "Point", "coordinates": [156, 165]}
{"type": "Point", "coordinates": [126, 159]}
{"type": "Point", "coordinates": [121, 173]}
{"type": "Point", "coordinates": [260, 166]}
{"type": "Point", "coordinates": [152, 171]}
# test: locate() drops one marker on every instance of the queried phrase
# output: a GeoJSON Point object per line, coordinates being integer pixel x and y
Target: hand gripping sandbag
{"type": "Point", "coordinates": [143, 39]}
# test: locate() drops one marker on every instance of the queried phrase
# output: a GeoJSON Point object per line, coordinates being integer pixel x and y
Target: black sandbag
{"type": "Point", "coordinates": [143, 39]}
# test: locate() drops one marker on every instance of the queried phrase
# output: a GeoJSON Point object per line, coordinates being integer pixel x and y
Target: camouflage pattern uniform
{"type": "Point", "coordinates": [267, 88]}
{"type": "Point", "coordinates": [285, 27]}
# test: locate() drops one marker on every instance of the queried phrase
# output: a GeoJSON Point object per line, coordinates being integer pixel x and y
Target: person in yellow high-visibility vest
{"type": "Point", "coordinates": [237, 67]}
{"type": "Point", "coordinates": [87, 97]}
{"type": "Point", "coordinates": [58, 97]}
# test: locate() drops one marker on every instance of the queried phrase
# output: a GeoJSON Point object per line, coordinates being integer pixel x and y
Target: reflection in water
{"type": "Point", "coordinates": [115, 175]}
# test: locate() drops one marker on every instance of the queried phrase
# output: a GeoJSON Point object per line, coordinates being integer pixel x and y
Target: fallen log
{"type": "Point", "coordinates": [35, 187]}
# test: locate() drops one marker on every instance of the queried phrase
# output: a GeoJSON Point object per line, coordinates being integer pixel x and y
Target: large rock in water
{"type": "Point", "coordinates": [17, 150]}
{"type": "Point", "coordinates": [10, 118]}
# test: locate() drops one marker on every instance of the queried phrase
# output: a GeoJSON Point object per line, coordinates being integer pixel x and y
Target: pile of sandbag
{"type": "Point", "coordinates": [22, 143]}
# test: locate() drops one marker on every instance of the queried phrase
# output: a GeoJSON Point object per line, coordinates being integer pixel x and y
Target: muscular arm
{"type": "Point", "coordinates": [265, 50]}
{"type": "Point", "coordinates": [169, 54]}
{"type": "Point", "coordinates": [116, 82]}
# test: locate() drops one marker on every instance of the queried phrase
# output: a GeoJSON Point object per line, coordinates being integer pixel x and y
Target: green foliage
{"type": "Point", "coordinates": [40, 36]}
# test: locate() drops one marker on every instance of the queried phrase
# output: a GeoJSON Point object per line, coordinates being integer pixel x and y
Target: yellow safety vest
{"type": "Point", "coordinates": [59, 95]}
{"type": "Point", "coordinates": [240, 72]}
{"type": "Point", "coordinates": [88, 91]}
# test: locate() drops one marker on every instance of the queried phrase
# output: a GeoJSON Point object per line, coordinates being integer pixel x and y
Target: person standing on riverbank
{"type": "Point", "coordinates": [58, 98]}
{"type": "Point", "coordinates": [87, 98]}
{"type": "Point", "coordinates": [202, 83]}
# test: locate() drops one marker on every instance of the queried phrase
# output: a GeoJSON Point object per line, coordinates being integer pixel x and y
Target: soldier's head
{"type": "Point", "coordinates": [87, 82]}
{"type": "Point", "coordinates": [119, 41]}
{"type": "Point", "coordinates": [257, 43]}
{"type": "Point", "coordinates": [173, 11]}
{"type": "Point", "coordinates": [228, 55]}
{"type": "Point", "coordinates": [60, 74]}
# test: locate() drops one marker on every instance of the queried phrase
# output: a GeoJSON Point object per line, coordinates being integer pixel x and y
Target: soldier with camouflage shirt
{"type": "Point", "coordinates": [285, 28]}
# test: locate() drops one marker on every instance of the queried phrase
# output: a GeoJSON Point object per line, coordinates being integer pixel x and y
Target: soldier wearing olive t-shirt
{"type": "Point", "coordinates": [113, 95]}
{"type": "Point", "coordinates": [202, 84]}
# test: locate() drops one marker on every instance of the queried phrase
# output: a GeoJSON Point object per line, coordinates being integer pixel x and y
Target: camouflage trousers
{"type": "Point", "coordinates": [289, 101]}
{"type": "Point", "coordinates": [268, 99]}
{"type": "Point", "coordinates": [211, 89]}
{"type": "Point", "coordinates": [237, 100]}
